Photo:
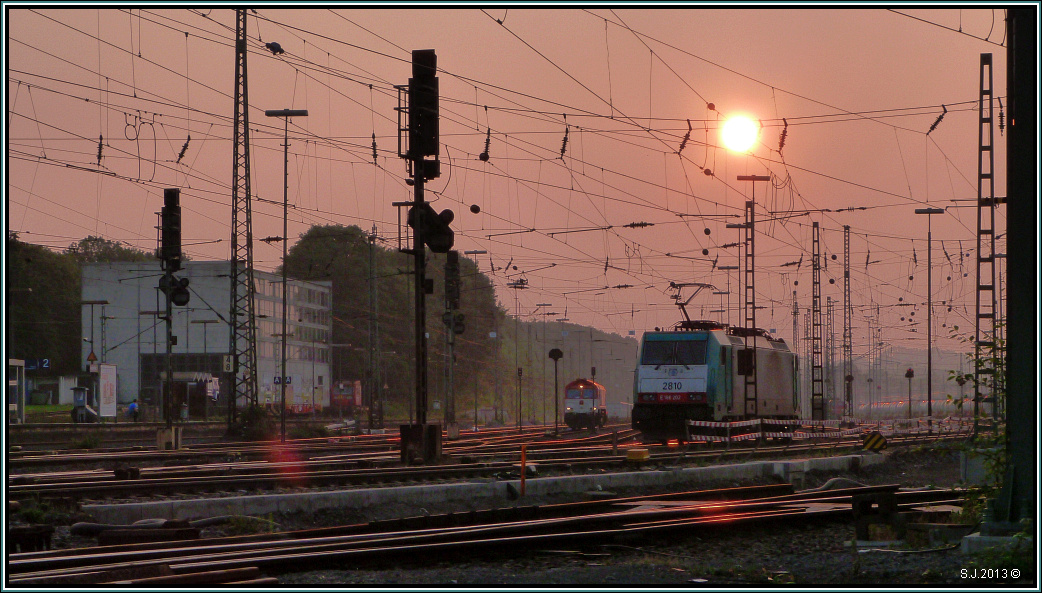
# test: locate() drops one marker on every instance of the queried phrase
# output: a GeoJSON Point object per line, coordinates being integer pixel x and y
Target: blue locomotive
{"type": "Point", "coordinates": [697, 371]}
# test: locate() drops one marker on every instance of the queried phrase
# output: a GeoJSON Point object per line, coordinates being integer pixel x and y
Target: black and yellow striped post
{"type": "Point", "coordinates": [874, 441]}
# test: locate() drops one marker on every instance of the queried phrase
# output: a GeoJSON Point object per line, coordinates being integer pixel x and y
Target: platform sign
{"type": "Point", "coordinates": [213, 388]}
{"type": "Point", "coordinates": [107, 378]}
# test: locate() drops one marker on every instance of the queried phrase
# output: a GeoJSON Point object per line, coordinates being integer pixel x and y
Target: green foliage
{"type": "Point", "coordinates": [90, 441]}
{"type": "Point", "coordinates": [43, 296]}
{"type": "Point", "coordinates": [49, 409]}
{"type": "Point", "coordinates": [973, 503]}
{"type": "Point", "coordinates": [1018, 555]}
{"type": "Point", "coordinates": [342, 255]}
{"type": "Point", "coordinates": [308, 431]}
{"type": "Point", "coordinates": [99, 250]}
{"type": "Point", "coordinates": [256, 424]}
{"type": "Point", "coordinates": [247, 525]}
{"type": "Point", "coordinates": [990, 442]}
{"type": "Point", "coordinates": [33, 513]}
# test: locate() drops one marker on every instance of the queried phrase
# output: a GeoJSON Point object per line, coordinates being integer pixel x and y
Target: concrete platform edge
{"type": "Point", "coordinates": [481, 494]}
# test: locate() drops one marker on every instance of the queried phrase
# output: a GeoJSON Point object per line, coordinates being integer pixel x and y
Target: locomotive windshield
{"type": "Point", "coordinates": [686, 352]}
{"type": "Point", "coordinates": [574, 393]}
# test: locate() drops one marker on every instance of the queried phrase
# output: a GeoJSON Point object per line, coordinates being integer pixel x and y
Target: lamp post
{"type": "Point", "coordinates": [929, 312]}
{"type": "Point", "coordinates": [519, 284]}
{"type": "Point", "coordinates": [285, 114]}
{"type": "Point", "coordinates": [313, 347]}
{"type": "Point", "coordinates": [91, 340]}
{"type": "Point", "coordinates": [542, 388]}
{"type": "Point", "coordinates": [206, 356]}
{"type": "Point", "coordinates": [555, 355]}
{"type": "Point", "coordinates": [475, 252]}
{"type": "Point", "coordinates": [909, 374]}
{"type": "Point", "coordinates": [868, 396]}
{"type": "Point", "coordinates": [282, 378]}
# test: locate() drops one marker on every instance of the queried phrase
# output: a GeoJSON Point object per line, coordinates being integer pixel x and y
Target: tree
{"type": "Point", "coordinates": [341, 255]}
{"type": "Point", "coordinates": [44, 311]}
{"type": "Point", "coordinates": [98, 249]}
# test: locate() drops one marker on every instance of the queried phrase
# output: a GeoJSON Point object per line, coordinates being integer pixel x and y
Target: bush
{"type": "Point", "coordinates": [91, 441]}
{"type": "Point", "coordinates": [256, 424]}
{"type": "Point", "coordinates": [308, 431]}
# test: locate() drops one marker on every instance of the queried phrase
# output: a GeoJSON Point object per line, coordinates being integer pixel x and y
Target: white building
{"type": "Point", "coordinates": [123, 324]}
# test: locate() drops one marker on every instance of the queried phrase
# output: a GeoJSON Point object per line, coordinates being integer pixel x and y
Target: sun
{"type": "Point", "coordinates": [739, 133]}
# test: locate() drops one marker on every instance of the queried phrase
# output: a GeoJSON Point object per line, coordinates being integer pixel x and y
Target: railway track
{"type": "Point", "coordinates": [286, 468]}
{"type": "Point", "coordinates": [137, 452]}
{"type": "Point", "coordinates": [477, 534]}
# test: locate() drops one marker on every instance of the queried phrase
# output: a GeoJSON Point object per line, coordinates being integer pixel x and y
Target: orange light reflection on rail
{"type": "Point", "coordinates": [287, 462]}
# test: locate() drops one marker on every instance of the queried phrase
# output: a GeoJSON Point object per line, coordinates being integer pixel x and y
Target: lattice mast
{"type": "Point", "coordinates": [817, 379]}
{"type": "Point", "coordinates": [830, 354]}
{"type": "Point", "coordinates": [796, 349]}
{"type": "Point", "coordinates": [243, 336]}
{"type": "Point", "coordinates": [749, 308]}
{"type": "Point", "coordinates": [749, 296]}
{"type": "Point", "coordinates": [984, 349]}
{"type": "Point", "coordinates": [848, 318]}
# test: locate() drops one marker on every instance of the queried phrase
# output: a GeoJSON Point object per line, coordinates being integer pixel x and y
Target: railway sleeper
{"type": "Point", "coordinates": [29, 538]}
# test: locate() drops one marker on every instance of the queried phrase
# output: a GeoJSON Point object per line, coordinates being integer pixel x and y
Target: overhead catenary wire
{"type": "Point", "coordinates": [542, 186]}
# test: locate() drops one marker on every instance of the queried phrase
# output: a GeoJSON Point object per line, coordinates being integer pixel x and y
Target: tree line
{"type": "Point", "coordinates": [44, 318]}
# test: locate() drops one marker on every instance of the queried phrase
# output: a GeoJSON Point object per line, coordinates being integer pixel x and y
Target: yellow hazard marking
{"type": "Point", "coordinates": [874, 442]}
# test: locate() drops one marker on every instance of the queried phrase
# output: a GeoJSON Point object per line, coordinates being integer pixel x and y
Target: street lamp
{"type": "Point", "coordinates": [475, 252]}
{"type": "Point", "coordinates": [909, 374]}
{"type": "Point", "coordinates": [282, 379]}
{"type": "Point", "coordinates": [285, 114]}
{"type": "Point", "coordinates": [519, 284]}
{"type": "Point", "coordinates": [92, 303]}
{"type": "Point", "coordinates": [929, 312]}
{"type": "Point", "coordinates": [91, 340]}
{"type": "Point", "coordinates": [542, 388]}
{"type": "Point", "coordinates": [555, 355]}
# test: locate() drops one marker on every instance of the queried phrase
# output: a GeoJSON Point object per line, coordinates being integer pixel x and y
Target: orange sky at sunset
{"type": "Point", "coordinates": [854, 92]}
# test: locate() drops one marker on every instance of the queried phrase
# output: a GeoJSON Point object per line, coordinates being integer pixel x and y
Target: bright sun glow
{"type": "Point", "coordinates": [739, 133]}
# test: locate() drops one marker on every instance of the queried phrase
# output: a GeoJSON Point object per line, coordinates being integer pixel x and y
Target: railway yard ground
{"type": "Point", "coordinates": [774, 554]}
{"type": "Point", "coordinates": [725, 553]}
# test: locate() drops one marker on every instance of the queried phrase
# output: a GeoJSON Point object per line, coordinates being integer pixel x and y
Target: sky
{"type": "Point", "coordinates": [593, 119]}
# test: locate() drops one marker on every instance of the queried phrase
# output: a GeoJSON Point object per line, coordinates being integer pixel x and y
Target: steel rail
{"type": "Point", "coordinates": [596, 527]}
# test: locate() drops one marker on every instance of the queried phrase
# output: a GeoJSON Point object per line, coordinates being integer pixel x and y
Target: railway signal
{"type": "Point", "coordinates": [423, 110]}
{"type": "Point", "coordinates": [432, 226]}
{"type": "Point", "coordinates": [170, 232]}
{"type": "Point", "coordinates": [176, 289]}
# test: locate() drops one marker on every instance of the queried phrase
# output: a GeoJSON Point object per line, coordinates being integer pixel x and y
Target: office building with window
{"type": "Point", "coordinates": [125, 326]}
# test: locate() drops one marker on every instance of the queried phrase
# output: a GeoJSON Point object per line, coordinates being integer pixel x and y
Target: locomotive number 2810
{"type": "Point", "coordinates": [672, 386]}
